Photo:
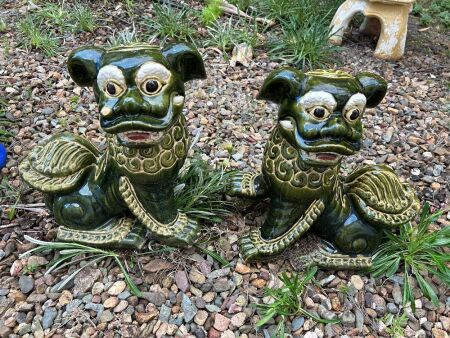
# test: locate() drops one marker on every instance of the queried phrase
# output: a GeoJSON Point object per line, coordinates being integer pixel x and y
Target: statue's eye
{"type": "Point", "coordinates": [319, 113]}
{"type": "Point", "coordinates": [113, 89]}
{"type": "Point", "coordinates": [353, 114]}
{"type": "Point", "coordinates": [151, 86]}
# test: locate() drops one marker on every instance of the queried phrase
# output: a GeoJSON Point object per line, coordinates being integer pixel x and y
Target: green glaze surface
{"type": "Point", "coordinates": [319, 123]}
{"type": "Point", "coordinates": [112, 198]}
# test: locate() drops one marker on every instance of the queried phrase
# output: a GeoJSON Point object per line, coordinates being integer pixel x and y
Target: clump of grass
{"type": "Point", "coordinates": [417, 251]}
{"type": "Point", "coordinates": [211, 12]}
{"type": "Point", "coordinates": [84, 18]}
{"type": "Point", "coordinates": [301, 39]}
{"type": "Point", "coordinates": [287, 301]}
{"type": "Point", "coordinates": [130, 5]}
{"type": "Point", "coordinates": [278, 9]}
{"type": "Point", "coordinates": [199, 192]}
{"type": "Point", "coordinates": [2, 25]}
{"type": "Point", "coordinates": [395, 324]}
{"type": "Point", "coordinates": [35, 35]}
{"type": "Point", "coordinates": [126, 37]}
{"type": "Point", "coordinates": [72, 253]}
{"type": "Point", "coordinates": [437, 11]}
{"type": "Point", "coordinates": [168, 23]}
{"type": "Point", "coordinates": [10, 194]}
{"type": "Point", "coordinates": [303, 44]}
{"type": "Point", "coordinates": [226, 35]}
{"type": "Point", "coordinates": [56, 16]}
{"type": "Point", "coordinates": [5, 135]}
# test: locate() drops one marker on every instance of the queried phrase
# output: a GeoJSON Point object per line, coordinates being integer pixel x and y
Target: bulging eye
{"type": "Point", "coordinates": [353, 114]}
{"type": "Point", "coordinates": [151, 86]}
{"type": "Point", "coordinates": [319, 113]}
{"type": "Point", "coordinates": [113, 89]}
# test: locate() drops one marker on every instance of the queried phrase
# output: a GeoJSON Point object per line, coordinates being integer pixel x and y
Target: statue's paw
{"type": "Point", "coordinates": [235, 184]}
{"type": "Point", "coordinates": [188, 234]}
{"type": "Point", "coordinates": [248, 249]}
{"type": "Point", "coordinates": [120, 233]}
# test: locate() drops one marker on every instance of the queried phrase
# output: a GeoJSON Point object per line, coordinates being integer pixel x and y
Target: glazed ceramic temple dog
{"type": "Point", "coordinates": [319, 123]}
{"type": "Point", "coordinates": [112, 198]}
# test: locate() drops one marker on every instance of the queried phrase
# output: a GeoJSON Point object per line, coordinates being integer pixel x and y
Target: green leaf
{"type": "Point", "coordinates": [214, 255]}
{"type": "Point", "coordinates": [407, 291]}
{"type": "Point", "coordinates": [427, 289]}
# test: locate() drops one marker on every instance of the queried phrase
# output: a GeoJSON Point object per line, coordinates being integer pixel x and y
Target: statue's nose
{"type": "Point", "coordinates": [133, 103]}
{"type": "Point", "coordinates": [336, 127]}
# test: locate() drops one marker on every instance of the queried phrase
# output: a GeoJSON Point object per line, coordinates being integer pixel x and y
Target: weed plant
{"type": "Point", "coordinates": [5, 125]}
{"type": "Point", "coordinates": [301, 38]}
{"type": "Point", "coordinates": [432, 12]}
{"type": "Point", "coordinates": [34, 34]}
{"type": "Point", "coordinates": [287, 301]}
{"type": "Point", "coordinates": [3, 26]}
{"type": "Point", "coordinates": [417, 251]}
{"type": "Point", "coordinates": [169, 23]}
{"type": "Point", "coordinates": [72, 253]}
{"type": "Point", "coordinates": [199, 192]}
{"type": "Point", "coordinates": [126, 37]}
{"type": "Point", "coordinates": [395, 324]}
{"type": "Point", "coordinates": [304, 45]}
{"type": "Point", "coordinates": [230, 33]}
{"type": "Point", "coordinates": [84, 19]}
{"type": "Point", "coordinates": [211, 12]}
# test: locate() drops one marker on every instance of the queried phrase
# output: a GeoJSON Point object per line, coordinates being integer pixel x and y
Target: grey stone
{"type": "Point", "coordinates": [95, 307]}
{"type": "Point", "coordinates": [21, 317]}
{"type": "Point", "coordinates": [106, 317]}
{"type": "Point", "coordinates": [397, 294]}
{"type": "Point", "coordinates": [47, 111]}
{"type": "Point", "coordinates": [212, 308]}
{"type": "Point", "coordinates": [74, 304]}
{"type": "Point", "coordinates": [348, 318]}
{"type": "Point", "coordinates": [327, 280]}
{"type": "Point", "coordinates": [87, 298]}
{"type": "Point", "coordinates": [359, 315]}
{"type": "Point", "coordinates": [124, 295]}
{"type": "Point", "coordinates": [4, 291]}
{"type": "Point", "coordinates": [221, 285]}
{"type": "Point", "coordinates": [23, 329]}
{"type": "Point", "coordinates": [297, 323]}
{"type": "Point", "coordinates": [325, 314]}
{"type": "Point", "coordinates": [176, 321]}
{"type": "Point", "coordinates": [219, 273]}
{"type": "Point", "coordinates": [26, 284]}
{"type": "Point", "coordinates": [392, 308]}
{"type": "Point", "coordinates": [156, 298]}
{"type": "Point", "coordinates": [188, 308]}
{"type": "Point", "coordinates": [164, 313]}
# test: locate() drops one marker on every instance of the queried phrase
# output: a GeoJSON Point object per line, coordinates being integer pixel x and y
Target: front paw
{"type": "Point", "coordinates": [234, 186]}
{"type": "Point", "coordinates": [242, 184]}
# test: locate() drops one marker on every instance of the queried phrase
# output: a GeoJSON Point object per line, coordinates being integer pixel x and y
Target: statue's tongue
{"type": "Point", "coordinates": [138, 136]}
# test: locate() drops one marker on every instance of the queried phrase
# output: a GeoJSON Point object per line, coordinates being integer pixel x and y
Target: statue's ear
{"type": "Point", "coordinates": [281, 84]}
{"type": "Point", "coordinates": [186, 60]}
{"type": "Point", "coordinates": [83, 64]}
{"type": "Point", "coordinates": [374, 88]}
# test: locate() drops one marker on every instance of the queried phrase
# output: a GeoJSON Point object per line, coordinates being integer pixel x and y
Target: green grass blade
{"type": "Point", "coordinates": [214, 255]}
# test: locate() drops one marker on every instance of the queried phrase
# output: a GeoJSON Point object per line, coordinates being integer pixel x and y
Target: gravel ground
{"type": "Point", "coordinates": [186, 293]}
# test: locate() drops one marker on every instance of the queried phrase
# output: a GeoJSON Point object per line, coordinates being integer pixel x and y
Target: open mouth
{"type": "Point", "coordinates": [325, 158]}
{"type": "Point", "coordinates": [137, 137]}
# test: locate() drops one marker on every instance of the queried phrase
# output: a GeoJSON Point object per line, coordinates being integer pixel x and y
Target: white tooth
{"type": "Point", "coordinates": [178, 100]}
{"type": "Point", "coordinates": [286, 124]}
{"type": "Point", "coordinates": [106, 111]}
